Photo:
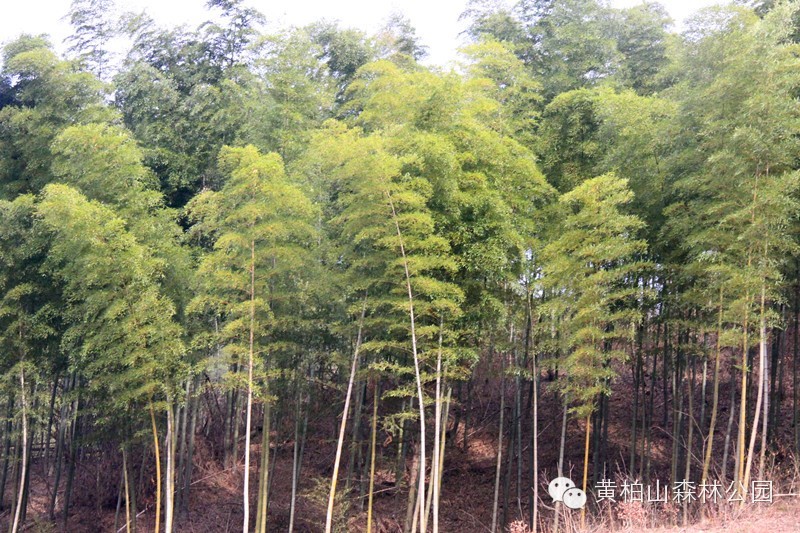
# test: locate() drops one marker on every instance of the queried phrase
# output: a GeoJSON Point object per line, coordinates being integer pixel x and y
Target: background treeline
{"type": "Point", "coordinates": [227, 236]}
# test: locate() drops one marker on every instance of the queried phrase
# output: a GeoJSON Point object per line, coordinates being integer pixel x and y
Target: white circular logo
{"type": "Point", "coordinates": [574, 498]}
{"type": "Point", "coordinates": [558, 486]}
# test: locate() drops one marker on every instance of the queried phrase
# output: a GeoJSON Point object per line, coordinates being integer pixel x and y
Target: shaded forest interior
{"type": "Point", "coordinates": [297, 279]}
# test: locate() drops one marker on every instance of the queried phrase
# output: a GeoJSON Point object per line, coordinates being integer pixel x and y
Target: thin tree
{"type": "Point", "coordinates": [260, 223]}
{"type": "Point", "coordinates": [343, 424]}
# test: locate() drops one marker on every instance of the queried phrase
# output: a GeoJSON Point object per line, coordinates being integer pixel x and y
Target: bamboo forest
{"type": "Point", "coordinates": [264, 277]}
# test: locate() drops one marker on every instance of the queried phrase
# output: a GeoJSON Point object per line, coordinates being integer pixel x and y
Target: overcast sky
{"type": "Point", "coordinates": [436, 20]}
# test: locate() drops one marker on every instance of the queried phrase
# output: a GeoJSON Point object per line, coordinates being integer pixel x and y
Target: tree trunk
{"type": "Point", "coordinates": [157, 527]}
{"type": "Point", "coordinates": [171, 442]}
{"type": "Point", "coordinates": [16, 525]}
{"type": "Point", "coordinates": [15, 468]}
{"type": "Point", "coordinates": [648, 426]}
{"type": "Point", "coordinates": [509, 464]}
{"type": "Point", "coordinates": [248, 425]}
{"type": "Point", "coordinates": [343, 424]}
{"type": "Point", "coordinates": [7, 447]}
{"type": "Point", "coordinates": [535, 446]}
{"type": "Point", "coordinates": [703, 389]}
{"type": "Point", "coordinates": [518, 422]}
{"type": "Point", "coordinates": [437, 431]}
{"type": "Point", "coordinates": [690, 423]}
{"type": "Point", "coordinates": [63, 424]}
{"type": "Point", "coordinates": [665, 374]}
{"type": "Point", "coordinates": [467, 411]}
{"type": "Point", "coordinates": [731, 416]}
{"type": "Point", "coordinates": [795, 361]}
{"type": "Point", "coordinates": [606, 404]}
{"type": "Point", "coordinates": [739, 474]}
{"type": "Point", "coordinates": [295, 455]}
{"type": "Point", "coordinates": [126, 479]}
{"type": "Point", "coordinates": [677, 412]}
{"type": "Point", "coordinates": [637, 378]}
{"type": "Point", "coordinates": [264, 478]}
{"type": "Point", "coordinates": [715, 396]}
{"type": "Point", "coordinates": [586, 467]}
{"type": "Point", "coordinates": [766, 414]}
{"type": "Point", "coordinates": [762, 357]}
{"type": "Point", "coordinates": [73, 452]}
{"type": "Point", "coordinates": [445, 415]}
{"type": "Point", "coordinates": [373, 437]}
{"type": "Point", "coordinates": [189, 463]}
{"type": "Point", "coordinates": [119, 502]}
{"type": "Point", "coordinates": [411, 505]}
{"type": "Point", "coordinates": [355, 437]}
{"type": "Point", "coordinates": [402, 446]}
{"type": "Point", "coordinates": [46, 435]}
{"type": "Point", "coordinates": [182, 430]}
{"type": "Point", "coordinates": [499, 444]}
{"type": "Point", "coordinates": [417, 372]}
{"type": "Point", "coordinates": [562, 443]}
{"type": "Point", "coordinates": [533, 405]}
{"type": "Point", "coordinates": [776, 376]}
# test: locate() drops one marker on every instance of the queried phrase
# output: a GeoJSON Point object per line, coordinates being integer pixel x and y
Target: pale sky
{"type": "Point", "coordinates": [436, 21]}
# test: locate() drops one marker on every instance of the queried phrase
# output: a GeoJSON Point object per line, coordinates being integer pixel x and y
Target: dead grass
{"type": "Point", "coordinates": [781, 517]}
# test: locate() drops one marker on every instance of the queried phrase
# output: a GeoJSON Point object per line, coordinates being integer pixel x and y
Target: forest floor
{"type": "Point", "coordinates": [468, 484]}
{"type": "Point", "coordinates": [781, 517]}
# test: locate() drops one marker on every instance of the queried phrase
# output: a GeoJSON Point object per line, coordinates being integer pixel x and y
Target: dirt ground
{"type": "Point", "coordinates": [468, 483]}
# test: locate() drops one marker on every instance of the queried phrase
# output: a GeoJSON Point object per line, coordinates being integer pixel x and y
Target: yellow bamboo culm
{"type": "Point", "coordinates": [127, 491]}
{"type": "Point", "coordinates": [372, 456]}
{"type": "Point", "coordinates": [158, 470]}
{"type": "Point", "coordinates": [586, 467]}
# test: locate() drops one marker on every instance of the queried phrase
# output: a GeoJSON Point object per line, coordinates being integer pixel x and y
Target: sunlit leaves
{"type": "Point", "coordinates": [591, 272]}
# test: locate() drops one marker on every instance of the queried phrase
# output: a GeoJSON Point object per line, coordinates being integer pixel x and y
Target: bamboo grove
{"type": "Point", "coordinates": [238, 246]}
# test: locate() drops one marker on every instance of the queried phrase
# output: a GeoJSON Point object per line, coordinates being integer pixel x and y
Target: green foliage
{"type": "Point", "coordinates": [29, 308]}
{"type": "Point", "coordinates": [639, 136]}
{"type": "Point", "coordinates": [571, 45]}
{"type": "Point", "coordinates": [641, 34]}
{"type": "Point", "coordinates": [93, 27]}
{"type": "Point", "coordinates": [569, 144]}
{"type": "Point", "coordinates": [373, 195]}
{"type": "Point", "coordinates": [735, 210]}
{"type": "Point", "coordinates": [342, 51]}
{"type": "Point", "coordinates": [497, 72]}
{"type": "Point", "coordinates": [299, 93]}
{"type": "Point", "coordinates": [434, 154]}
{"type": "Point", "coordinates": [101, 160]}
{"type": "Point", "coordinates": [492, 20]}
{"type": "Point", "coordinates": [592, 271]}
{"type": "Point", "coordinates": [104, 163]}
{"type": "Point", "coordinates": [45, 96]}
{"type": "Point", "coordinates": [228, 43]}
{"type": "Point", "coordinates": [260, 225]}
{"type": "Point", "coordinates": [120, 334]}
{"type": "Point", "coordinates": [398, 40]}
{"type": "Point", "coordinates": [202, 89]}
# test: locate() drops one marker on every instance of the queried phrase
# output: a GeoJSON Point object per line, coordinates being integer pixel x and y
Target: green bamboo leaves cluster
{"type": "Point", "coordinates": [591, 271]}
{"type": "Point", "coordinates": [257, 206]}
{"type": "Point", "coordinates": [127, 342]}
{"type": "Point", "coordinates": [261, 228]}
